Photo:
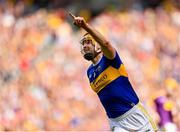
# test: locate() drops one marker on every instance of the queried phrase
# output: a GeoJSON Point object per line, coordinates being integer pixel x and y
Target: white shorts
{"type": "Point", "coordinates": [136, 119]}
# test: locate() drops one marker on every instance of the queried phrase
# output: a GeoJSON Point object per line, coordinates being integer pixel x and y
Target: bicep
{"type": "Point", "coordinates": [108, 50]}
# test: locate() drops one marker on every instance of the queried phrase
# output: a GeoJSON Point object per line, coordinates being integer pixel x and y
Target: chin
{"type": "Point", "coordinates": [89, 56]}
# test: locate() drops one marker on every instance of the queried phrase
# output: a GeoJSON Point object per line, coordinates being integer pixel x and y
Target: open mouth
{"type": "Point", "coordinates": [86, 50]}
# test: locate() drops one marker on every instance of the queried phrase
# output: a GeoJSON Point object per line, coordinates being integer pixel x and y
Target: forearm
{"type": "Point", "coordinates": [106, 46]}
{"type": "Point", "coordinates": [96, 35]}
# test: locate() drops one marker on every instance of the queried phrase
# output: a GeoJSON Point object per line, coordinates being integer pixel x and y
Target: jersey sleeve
{"type": "Point", "coordinates": [116, 62]}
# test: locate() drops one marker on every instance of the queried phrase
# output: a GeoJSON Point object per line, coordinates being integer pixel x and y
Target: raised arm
{"type": "Point", "coordinates": [106, 47]}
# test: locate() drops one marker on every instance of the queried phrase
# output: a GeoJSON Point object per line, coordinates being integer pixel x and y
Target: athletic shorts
{"type": "Point", "coordinates": [136, 119]}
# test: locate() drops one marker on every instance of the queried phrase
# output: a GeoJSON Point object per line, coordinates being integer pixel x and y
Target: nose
{"type": "Point", "coordinates": [85, 45]}
{"type": "Point", "coordinates": [85, 48]}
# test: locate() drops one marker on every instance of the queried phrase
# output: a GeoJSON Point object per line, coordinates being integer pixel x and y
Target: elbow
{"type": "Point", "coordinates": [106, 44]}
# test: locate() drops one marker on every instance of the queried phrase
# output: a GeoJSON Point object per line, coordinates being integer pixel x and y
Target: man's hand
{"type": "Point", "coordinates": [78, 21]}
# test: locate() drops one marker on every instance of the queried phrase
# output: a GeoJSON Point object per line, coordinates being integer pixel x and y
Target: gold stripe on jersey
{"type": "Point", "coordinates": [107, 76]}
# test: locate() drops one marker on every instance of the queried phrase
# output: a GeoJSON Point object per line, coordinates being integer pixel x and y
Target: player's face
{"type": "Point", "coordinates": [88, 49]}
{"type": "Point", "coordinates": [88, 46]}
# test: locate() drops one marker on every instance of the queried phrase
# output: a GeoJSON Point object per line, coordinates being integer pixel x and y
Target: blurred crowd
{"type": "Point", "coordinates": [43, 83]}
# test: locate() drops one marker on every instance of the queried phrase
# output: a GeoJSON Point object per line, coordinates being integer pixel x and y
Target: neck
{"type": "Point", "coordinates": [97, 58]}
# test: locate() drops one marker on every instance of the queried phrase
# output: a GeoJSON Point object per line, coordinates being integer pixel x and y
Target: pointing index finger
{"type": "Point", "coordinates": [73, 16]}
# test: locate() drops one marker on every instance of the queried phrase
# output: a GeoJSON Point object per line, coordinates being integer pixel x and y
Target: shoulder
{"type": "Point", "coordinates": [116, 57]}
{"type": "Point", "coordinates": [115, 62]}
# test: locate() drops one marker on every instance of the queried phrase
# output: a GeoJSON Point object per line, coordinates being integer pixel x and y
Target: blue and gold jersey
{"type": "Point", "coordinates": [109, 80]}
